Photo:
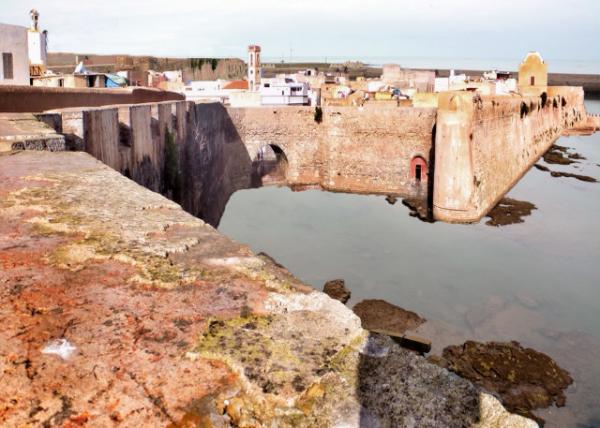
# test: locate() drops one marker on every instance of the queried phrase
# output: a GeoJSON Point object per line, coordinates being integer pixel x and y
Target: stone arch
{"type": "Point", "coordinates": [270, 164]}
{"type": "Point", "coordinates": [418, 169]}
{"type": "Point", "coordinates": [271, 152]}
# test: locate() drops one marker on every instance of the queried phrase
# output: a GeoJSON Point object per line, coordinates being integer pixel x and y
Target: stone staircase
{"type": "Point", "coordinates": [24, 131]}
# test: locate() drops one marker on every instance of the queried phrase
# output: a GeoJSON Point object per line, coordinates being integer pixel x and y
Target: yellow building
{"type": "Point", "coordinates": [533, 75]}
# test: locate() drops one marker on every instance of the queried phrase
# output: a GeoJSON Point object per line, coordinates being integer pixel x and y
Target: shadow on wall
{"type": "Point", "coordinates": [431, 176]}
{"type": "Point", "coordinates": [269, 166]}
{"type": "Point", "coordinates": [215, 163]}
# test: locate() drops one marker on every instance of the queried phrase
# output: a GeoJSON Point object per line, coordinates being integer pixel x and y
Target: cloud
{"type": "Point", "coordinates": [348, 28]}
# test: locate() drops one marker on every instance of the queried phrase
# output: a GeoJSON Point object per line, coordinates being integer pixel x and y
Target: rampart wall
{"type": "Point", "coordinates": [484, 145]}
{"type": "Point", "coordinates": [350, 150]}
{"type": "Point", "coordinates": [477, 147]}
{"type": "Point", "coordinates": [35, 99]}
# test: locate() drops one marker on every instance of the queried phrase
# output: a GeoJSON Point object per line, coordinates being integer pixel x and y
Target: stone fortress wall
{"type": "Point", "coordinates": [351, 150]}
{"type": "Point", "coordinates": [484, 145]}
{"type": "Point", "coordinates": [480, 147]}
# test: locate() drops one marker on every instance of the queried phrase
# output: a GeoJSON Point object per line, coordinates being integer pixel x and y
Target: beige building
{"type": "Point", "coordinates": [533, 75]}
{"type": "Point", "coordinates": [403, 78]}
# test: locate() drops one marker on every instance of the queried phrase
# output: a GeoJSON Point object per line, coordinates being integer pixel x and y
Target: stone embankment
{"type": "Point", "coordinates": [117, 307]}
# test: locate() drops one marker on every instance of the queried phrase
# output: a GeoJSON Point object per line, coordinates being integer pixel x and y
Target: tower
{"type": "Point", "coordinates": [533, 75]}
{"type": "Point", "coordinates": [253, 67]}
{"type": "Point", "coordinates": [37, 44]}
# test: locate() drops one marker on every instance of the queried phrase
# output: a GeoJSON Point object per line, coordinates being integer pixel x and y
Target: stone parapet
{"type": "Point", "coordinates": [119, 307]}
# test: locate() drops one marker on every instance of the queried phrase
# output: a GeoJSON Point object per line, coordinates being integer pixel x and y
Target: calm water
{"type": "Point", "coordinates": [536, 282]}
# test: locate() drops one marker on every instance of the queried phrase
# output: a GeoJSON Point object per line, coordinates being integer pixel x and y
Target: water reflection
{"type": "Point", "coordinates": [534, 282]}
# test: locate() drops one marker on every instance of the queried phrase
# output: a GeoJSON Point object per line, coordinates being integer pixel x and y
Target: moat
{"type": "Point", "coordinates": [534, 282]}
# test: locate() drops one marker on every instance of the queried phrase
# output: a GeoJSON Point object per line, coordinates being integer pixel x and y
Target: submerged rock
{"type": "Point", "coordinates": [381, 316]}
{"type": "Point", "coordinates": [509, 211]}
{"type": "Point", "coordinates": [525, 379]}
{"type": "Point", "coordinates": [579, 177]}
{"type": "Point", "coordinates": [336, 289]}
{"type": "Point", "coordinates": [556, 155]}
{"type": "Point", "coordinates": [419, 209]}
{"type": "Point", "coordinates": [391, 199]}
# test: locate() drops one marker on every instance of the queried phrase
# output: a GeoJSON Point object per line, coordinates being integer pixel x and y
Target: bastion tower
{"type": "Point", "coordinates": [253, 67]}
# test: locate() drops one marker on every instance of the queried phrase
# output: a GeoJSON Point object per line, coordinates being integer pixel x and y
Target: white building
{"type": "Point", "coordinates": [14, 57]}
{"type": "Point", "coordinates": [206, 91]}
{"type": "Point", "coordinates": [254, 68]}
{"type": "Point", "coordinates": [284, 91]}
{"type": "Point", "coordinates": [23, 52]}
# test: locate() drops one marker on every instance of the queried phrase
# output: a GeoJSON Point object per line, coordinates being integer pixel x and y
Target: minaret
{"type": "Point", "coordinates": [254, 68]}
{"type": "Point", "coordinates": [37, 45]}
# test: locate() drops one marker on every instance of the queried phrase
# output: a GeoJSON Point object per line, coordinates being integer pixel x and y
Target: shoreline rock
{"type": "Point", "coordinates": [524, 378]}
{"type": "Point", "coordinates": [509, 211]}
{"type": "Point", "coordinates": [336, 289]}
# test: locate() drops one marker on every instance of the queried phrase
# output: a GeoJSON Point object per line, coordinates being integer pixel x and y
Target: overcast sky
{"type": "Point", "coordinates": [498, 29]}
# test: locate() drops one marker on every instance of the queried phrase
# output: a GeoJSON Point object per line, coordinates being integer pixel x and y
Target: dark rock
{"type": "Point", "coordinates": [524, 379]}
{"type": "Point", "coordinates": [577, 176]}
{"type": "Point", "coordinates": [397, 388]}
{"type": "Point", "coordinates": [391, 199]}
{"type": "Point", "coordinates": [267, 257]}
{"type": "Point", "coordinates": [381, 316]}
{"type": "Point", "coordinates": [509, 211]}
{"type": "Point", "coordinates": [419, 209]}
{"type": "Point", "coordinates": [542, 167]}
{"type": "Point", "coordinates": [337, 290]}
{"type": "Point", "coordinates": [555, 155]}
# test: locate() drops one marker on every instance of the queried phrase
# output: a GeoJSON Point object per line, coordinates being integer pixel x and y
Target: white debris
{"type": "Point", "coordinates": [60, 347]}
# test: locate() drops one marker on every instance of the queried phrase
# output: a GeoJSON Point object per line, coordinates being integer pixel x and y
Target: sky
{"type": "Point", "coordinates": [351, 29]}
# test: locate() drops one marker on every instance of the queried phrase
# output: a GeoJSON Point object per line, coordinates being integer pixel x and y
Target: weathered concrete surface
{"type": "Point", "coordinates": [174, 324]}
{"type": "Point", "coordinates": [23, 131]}
{"type": "Point", "coordinates": [26, 99]}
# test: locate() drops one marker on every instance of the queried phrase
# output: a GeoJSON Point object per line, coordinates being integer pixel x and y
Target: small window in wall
{"type": "Point", "coordinates": [418, 169]}
{"type": "Point", "coordinates": [7, 65]}
{"type": "Point", "coordinates": [532, 80]}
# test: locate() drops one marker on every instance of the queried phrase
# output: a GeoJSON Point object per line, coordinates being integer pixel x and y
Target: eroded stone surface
{"type": "Point", "coordinates": [173, 324]}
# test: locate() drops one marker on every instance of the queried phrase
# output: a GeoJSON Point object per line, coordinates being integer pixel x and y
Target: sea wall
{"type": "Point", "coordinates": [461, 158]}
{"type": "Point", "coordinates": [349, 150]}
{"type": "Point", "coordinates": [34, 99]}
{"type": "Point", "coordinates": [484, 145]}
